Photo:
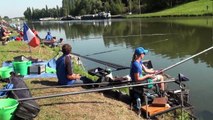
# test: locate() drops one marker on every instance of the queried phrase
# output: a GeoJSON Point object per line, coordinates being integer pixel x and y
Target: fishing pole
{"type": "Point", "coordinates": [68, 86]}
{"type": "Point", "coordinates": [74, 85]}
{"type": "Point", "coordinates": [113, 65]}
{"type": "Point", "coordinates": [56, 86]}
{"type": "Point", "coordinates": [101, 52]}
{"type": "Point", "coordinates": [93, 90]}
{"type": "Point", "coordinates": [178, 63]}
{"type": "Point", "coordinates": [163, 70]}
{"type": "Point", "coordinates": [119, 68]}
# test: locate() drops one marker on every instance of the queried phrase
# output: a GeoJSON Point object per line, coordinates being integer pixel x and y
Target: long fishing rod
{"type": "Point", "coordinates": [163, 70]}
{"type": "Point", "coordinates": [66, 86]}
{"type": "Point", "coordinates": [178, 63]}
{"type": "Point", "coordinates": [113, 65]}
{"type": "Point", "coordinates": [93, 90]}
{"type": "Point", "coordinates": [101, 52]}
{"type": "Point", "coordinates": [116, 66]}
{"type": "Point", "coordinates": [56, 86]}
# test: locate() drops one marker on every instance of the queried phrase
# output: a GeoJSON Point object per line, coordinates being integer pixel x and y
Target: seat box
{"type": "Point", "coordinates": [160, 102]}
{"type": "Point", "coordinates": [36, 69]}
{"type": "Point", "coordinates": [151, 110]}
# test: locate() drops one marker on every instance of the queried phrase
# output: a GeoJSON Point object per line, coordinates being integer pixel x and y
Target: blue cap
{"type": "Point", "coordinates": [140, 50]}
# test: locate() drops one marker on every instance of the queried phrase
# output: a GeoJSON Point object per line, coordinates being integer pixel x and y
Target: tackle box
{"type": "Point", "coordinates": [20, 58]}
{"type": "Point", "coordinates": [36, 69]}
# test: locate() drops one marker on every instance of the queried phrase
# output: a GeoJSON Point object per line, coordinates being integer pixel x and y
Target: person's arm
{"type": "Point", "coordinates": [136, 69]}
{"type": "Point", "coordinates": [70, 74]}
{"type": "Point", "coordinates": [138, 78]}
{"type": "Point", "coordinates": [146, 70]}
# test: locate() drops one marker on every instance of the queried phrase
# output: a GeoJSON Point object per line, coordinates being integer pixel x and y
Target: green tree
{"type": "Point", "coordinates": [65, 7]}
{"type": "Point", "coordinates": [117, 7]}
{"type": "Point", "coordinates": [28, 14]}
{"type": "Point", "coordinates": [57, 11]}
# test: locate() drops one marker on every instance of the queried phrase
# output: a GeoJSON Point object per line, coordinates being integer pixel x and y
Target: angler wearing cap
{"type": "Point", "coordinates": [137, 68]}
{"type": "Point", "coordinates": [136, 73]}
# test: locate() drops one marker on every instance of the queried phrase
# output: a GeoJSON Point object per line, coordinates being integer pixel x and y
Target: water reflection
{"type": "Point", "coordinates": [169, 38]}
{"type": "Point", "coordinates": [169, 41]}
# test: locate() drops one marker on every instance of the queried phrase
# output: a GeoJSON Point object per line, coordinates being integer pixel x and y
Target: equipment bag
{"type": "Point", "coordinates": [26, 110]}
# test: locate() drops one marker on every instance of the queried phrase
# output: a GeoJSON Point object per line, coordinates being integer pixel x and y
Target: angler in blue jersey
{"type": "Point", "coordinates": [64, 69]}
{"type": "Point", "coordinates": [137, 68]}
{"type": "Point", "coordinates": [137, 74]}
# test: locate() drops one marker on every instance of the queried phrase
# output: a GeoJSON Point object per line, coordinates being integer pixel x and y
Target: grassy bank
{"type": "Point", "coordinates": [195, 8]}
{"type": "Point", "coordinates": [15, 48]}
{"type": "Point", "coordinates": [93, 106]}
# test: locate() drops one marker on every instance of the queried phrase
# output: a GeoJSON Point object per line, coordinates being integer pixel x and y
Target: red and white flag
{"type": "Point", "coordinates": [30, 37]}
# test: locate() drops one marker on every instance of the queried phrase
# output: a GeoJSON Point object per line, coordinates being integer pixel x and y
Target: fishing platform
{"type": "Point", "coordinates": [153, 102]}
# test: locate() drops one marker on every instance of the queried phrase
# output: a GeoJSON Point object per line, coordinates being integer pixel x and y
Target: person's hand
{"type": "Point", "coordinates": [149, 76]}
{"type": "Point", "coordinates": [78, 76]}
{"type": "Point", "coordinates": [158, 71]}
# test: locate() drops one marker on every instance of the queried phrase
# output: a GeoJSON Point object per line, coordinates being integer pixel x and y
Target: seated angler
{"type": "Point", "coordinates": [4, 34]}
{"type": "Point", "coordinates": [64, 69]}
{"type": "Point", "coordinates": [136, 74]}
{"type": "Point", "coordinates": [48, 37]}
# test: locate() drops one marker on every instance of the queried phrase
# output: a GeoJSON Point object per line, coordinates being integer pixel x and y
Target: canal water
{"type": "Point", "coordinates": [169, 40]}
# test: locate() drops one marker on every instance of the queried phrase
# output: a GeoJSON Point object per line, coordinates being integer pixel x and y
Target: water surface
{"type": "Point", "coordinates": [168, 40]}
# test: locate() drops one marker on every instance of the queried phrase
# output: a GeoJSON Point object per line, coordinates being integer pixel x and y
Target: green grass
{"type": "Point", "coordinates": [194, 22]}
{"type": "Point", "coordinates": [195, 8]}
{"type": "Point", "coordinates": [16, 48]}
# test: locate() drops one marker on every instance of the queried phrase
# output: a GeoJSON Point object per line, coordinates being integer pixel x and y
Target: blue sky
{"type": "Point", "coordinates": [16, 8]}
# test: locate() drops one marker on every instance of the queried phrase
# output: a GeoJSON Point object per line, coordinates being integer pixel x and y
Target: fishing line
{"type": "Point", "coordinates": [125, 36]}
{"type": "Point", "coordinates": [108, 51]}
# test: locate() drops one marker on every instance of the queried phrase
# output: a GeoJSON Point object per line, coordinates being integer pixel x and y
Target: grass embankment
{"type": "Point", "coordinates": [195, 8]}
{"type": "Point", "coordinates": [93, 106]}
{"type": "Point", "coordinates": [15, 48]}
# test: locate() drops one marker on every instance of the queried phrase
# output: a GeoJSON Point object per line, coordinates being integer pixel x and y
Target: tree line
{"type": "Point", "coordinates": [82, 7]}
